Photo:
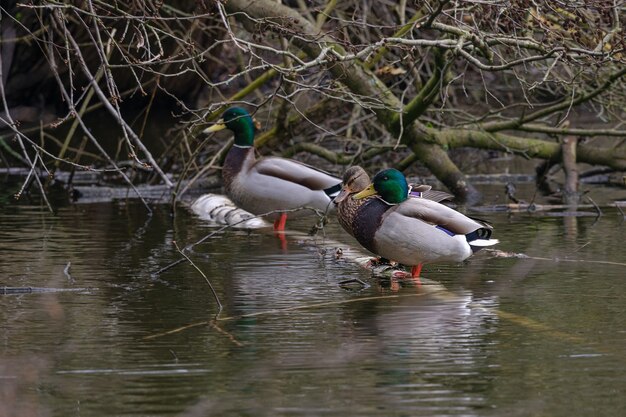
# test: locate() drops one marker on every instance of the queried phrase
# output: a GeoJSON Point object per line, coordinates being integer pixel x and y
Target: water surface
{"type": "Point", "coordinates": [543, 335]}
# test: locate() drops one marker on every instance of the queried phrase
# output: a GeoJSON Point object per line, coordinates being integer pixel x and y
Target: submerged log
{"type": "Point", "coordinates": [222, 211]}
{"type": "Point", "coordinates": [31, 290]}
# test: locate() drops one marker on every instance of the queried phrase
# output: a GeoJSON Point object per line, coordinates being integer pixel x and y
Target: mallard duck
{"type": "Point", "coordinates": [355, 180]}
{"type": "Point", "coordinates": [269, 184]}
{"type": "Point", "coordinates": [412, 231]}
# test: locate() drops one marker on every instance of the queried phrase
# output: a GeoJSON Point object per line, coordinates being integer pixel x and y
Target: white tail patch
{"type": "Point", "coordinates": [483, 242]}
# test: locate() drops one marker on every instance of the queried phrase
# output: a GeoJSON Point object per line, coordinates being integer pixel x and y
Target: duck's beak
{"type": "Point", "coordinates": [219, 125]}
{"type": "Point", "coordinates": [345, 192]}
{"type": "Point", "coordinates": [365, 193]}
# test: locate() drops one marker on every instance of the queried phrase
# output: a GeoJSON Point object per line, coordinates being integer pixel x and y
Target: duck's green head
{"type": "Point", "coordinates": [240, 122]}
{"type": "Point", "coordinates": [390, 184]}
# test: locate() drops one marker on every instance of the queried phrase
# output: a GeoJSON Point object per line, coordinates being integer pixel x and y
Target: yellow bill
{"type": "Point", "coordinates": [219, 125]}
{"type": "Point", "coordinates": [365, 193]}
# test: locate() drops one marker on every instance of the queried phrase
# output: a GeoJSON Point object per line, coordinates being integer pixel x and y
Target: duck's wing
{"type": "Point", "coordinates": [438, 214]}
{"type": "Point", "coordinates": [426, 191]}
{"type": "Point", "coordinates": [297, 172]}
{"type": "Point", "coordinates": [420, 188]}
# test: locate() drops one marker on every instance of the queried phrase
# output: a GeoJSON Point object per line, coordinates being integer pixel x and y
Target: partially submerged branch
{"type": "Point", "coordinates": [217, 299]}
{"type": "Point", "coordinates": [529, 148]}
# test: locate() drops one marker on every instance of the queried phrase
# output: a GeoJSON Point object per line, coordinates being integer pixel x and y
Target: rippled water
{"type": "Point", "coordinates": [496, 336]}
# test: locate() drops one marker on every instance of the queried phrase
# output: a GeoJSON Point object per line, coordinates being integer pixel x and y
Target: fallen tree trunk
{"type": "Point", "coordinates": [360, 80]}
{"type": "Point", "coordinates": [430, 145]}
{"type": "Point", "coordinates": [531, 148]}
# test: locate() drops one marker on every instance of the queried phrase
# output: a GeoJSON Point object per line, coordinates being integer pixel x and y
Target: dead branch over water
{"type": "Point", "coordinates": [334, 82]}
{"type": "Point", "coordinates": [217, 299]}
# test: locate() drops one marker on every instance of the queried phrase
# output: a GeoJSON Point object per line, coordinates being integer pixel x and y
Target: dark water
{"type": "Point", "coordinates": [499, 337]}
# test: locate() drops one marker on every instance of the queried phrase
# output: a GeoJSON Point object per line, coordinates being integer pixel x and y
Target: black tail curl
{"type": "Point", "coordinates": [333, 191]}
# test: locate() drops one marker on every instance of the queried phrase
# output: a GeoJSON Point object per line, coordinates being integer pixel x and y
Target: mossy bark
{"type": "Point", "coordinates": [429, 145]}
{"type": "Point", "coordinates": [532, 148]}
{"type": "Point", "coordinates": [360, 80]}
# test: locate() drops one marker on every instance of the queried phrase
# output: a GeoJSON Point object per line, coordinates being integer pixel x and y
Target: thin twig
{"type": "Point", "coordinates": [217, 299]}
{"type": "Point", "coordinates": [11, 123]}
{"type": "Point", "coordinates": [285, 310]}
{"type": "Point", "coordinates": [88, 133]}
{"type": "Point", "coordinates": [115, 112]}
{"type": "Point", "coordinates": [221, 229]}
{"type": "Point", "coordinates": [594, 205]}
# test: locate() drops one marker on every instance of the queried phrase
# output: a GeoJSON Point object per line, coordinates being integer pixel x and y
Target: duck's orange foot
{"type": "Point", "coordinates": [415, 274]}
{"type": "Point", "coordinates": [416, 270]}
{"type": "Point", "coordinates": [279, 224]}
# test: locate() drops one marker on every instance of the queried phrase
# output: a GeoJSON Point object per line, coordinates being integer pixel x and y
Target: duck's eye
{"type": "Point", "coordinates": [385, 178]}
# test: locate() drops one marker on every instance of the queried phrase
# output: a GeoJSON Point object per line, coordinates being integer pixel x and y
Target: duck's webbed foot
{"type": "Point", "coordinates": [279, 223]}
